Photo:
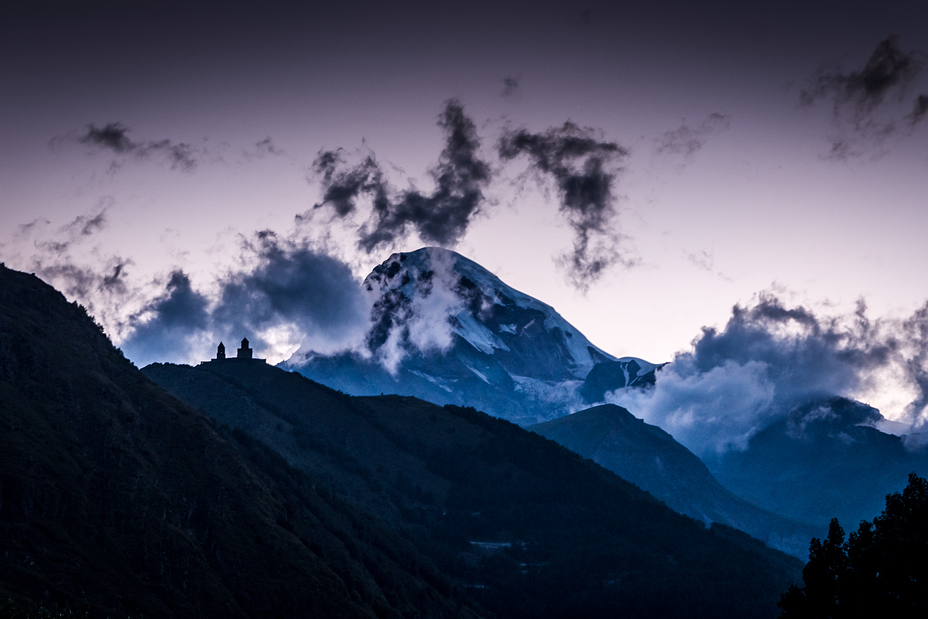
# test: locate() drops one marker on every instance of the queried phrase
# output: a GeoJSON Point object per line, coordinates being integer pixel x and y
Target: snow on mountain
{"type": "Point", "coordinates": [445, 329]}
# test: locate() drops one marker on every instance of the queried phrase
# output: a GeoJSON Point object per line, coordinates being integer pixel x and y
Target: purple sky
{"type": "Point", "coordinates": [744, 149]}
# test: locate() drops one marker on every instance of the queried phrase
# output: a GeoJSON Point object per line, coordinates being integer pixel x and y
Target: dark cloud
{"type": "Point", "coordinates": [76, 231]}
{"type": "Point", "coordinates": [511, 88]}
{"type": "Point", "coordinates": [441, 217]}
{"type": "Point", "coordinates": [262, 149]}
{"type": "Point", "coordinates": [841, 150]}
{"type": "Point", "coordinates": [888, 69]}
{"type": "Point", "coordinates": [343, 186]}
{"type": "Point", "coordinates": [583, 169]}
{"type": "Point", "coordinates": [805, 355]}
{"type": "Point", "coordinates": [290, 284]}
{"type": "Point", "coordinates": [686, 140]}
{"type": "Point", "coordinates": [86, 225]}
{"type": "Point", "coordinates": [114, 137]}
{"type": "Point", "coordinates": [866, 102]}
{"type": "Point", "coordinates": [915, 330]}
{"type": "Point", "coordinates": [86, 282]}
{"type": "Point", "coordinates": [286, 290]}
{"type": "Point", "coordinates": [170, 325]}
{"type": "Point", "coordinates": [919, 110]}
{"type": "Point", "coordinates": [771, 361]}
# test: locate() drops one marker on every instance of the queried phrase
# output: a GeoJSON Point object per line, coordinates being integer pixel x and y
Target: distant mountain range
{"type": "Point", "coordinates": [822, 460]}
{"type": "Point", "coordinates": [446, 330]}
{"type": "Point", "coordinates": [649, 457]}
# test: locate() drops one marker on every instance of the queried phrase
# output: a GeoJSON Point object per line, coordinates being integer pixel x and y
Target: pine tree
{"type": "Point", "coordinates": [881, 570]}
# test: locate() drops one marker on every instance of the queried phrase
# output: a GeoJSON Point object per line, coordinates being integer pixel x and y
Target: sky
{"type": "Point", "coordinates": [642, 167]}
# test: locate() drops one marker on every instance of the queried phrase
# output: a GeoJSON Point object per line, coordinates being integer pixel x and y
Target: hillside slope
{"type": "Point", "coordinates": [650, 458]}
{"type": "Point", "coordinates": [527, 527]}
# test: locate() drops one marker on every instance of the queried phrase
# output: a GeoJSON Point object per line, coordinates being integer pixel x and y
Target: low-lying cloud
{"type": "Point", "coordinates": [771, 358]}
{"type": "Point", "coordinates": [284, 294]}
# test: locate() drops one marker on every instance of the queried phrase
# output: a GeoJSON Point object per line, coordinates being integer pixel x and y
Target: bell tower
{"type": "Point", "coordinates": [244, 352]}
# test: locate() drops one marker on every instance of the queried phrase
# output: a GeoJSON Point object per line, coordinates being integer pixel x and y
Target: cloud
{"type": "Point", "coordinates": [771, 360]}
{"type": "Point", "coordinates": [292, 285]}
{"type": "Point", "coordinates": [284, 294]}
{"type": "Point", "coordinates": [114, 137]}
{"type": "Point", "coordinates": [705, 261]}
{"type": "Point", "coordinates": [441, 217]}
{"type": "Point", "coordinates": [919, 109]}
{"type": "Point", "coordinates": [66, 257]}
{"type": "Point", "coordinates": [583, 169]}
{"type": "Point", "coordinates": [420, 322]}
{"type": "Point", "coordinates": [262, 149]}
{"type": "Point", "coordinates": [171, 324]}
{"type": "Point", "coordinates": [85, 282]}
{"type": "Point", "coordinates": [511, 88]}
{"type": "Point", "coordinates": [888, 69]}
{"type": "Point", "coordinates": [866, 102]}
{"type": "Point", "coordinates": [686, 140]}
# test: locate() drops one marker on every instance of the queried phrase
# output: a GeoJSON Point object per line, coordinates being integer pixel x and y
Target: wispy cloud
{"type": "Point", "coordinates": [868, 103]}
{"type": "Point", "coordinates": [511, 88]}
{"type": "Point", "coordinates": [263, 148]}
{"type": "Point", "coordinates": [114, 137]}
{"type": "Point", "coordinates": [441, 217]}
{"type": "Point", "coordinates": [584, 169]}
{"type": "Point", "coordinates": [686, 139]}
{"type": "Point", "coordinates": [771, 358]}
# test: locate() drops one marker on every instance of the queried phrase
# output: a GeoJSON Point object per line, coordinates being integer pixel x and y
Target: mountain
{"type": "Point", "coordinates": [526, 527]}
{"type": "Point", "coordinates": [650, 458]}
{"type": "Point", "coordinates": [822, 460]}
{"type": "Point", "coordinates": [446, 330]}
{"type": "Point", "coordinates": [118, 498]}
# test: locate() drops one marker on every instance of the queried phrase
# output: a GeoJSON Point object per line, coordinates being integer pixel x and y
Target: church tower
{"type": "Point", "coordinates": [221, 351]}
{"type": "Point", "coordinates": [245, 352]}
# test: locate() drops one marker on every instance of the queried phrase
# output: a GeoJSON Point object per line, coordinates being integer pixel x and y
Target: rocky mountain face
{"type": "Point", "coordinates": [447, 330]}
{"type": "Point", "coordinates": [822, 460]}
{"type": "Point", "coordinates": [118, 498]}
{"type": "Point", "coordinates": [526, 527]}
{"type": "Point", "coordinates": [650, 458]}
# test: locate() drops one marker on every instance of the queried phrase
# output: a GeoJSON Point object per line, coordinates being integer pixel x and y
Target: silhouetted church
{"type": "Point", "coordinates": [245, 353]}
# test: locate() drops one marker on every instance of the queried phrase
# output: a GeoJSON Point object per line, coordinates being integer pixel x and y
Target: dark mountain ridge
{"type": "Point", "coordinates": [527, 527]}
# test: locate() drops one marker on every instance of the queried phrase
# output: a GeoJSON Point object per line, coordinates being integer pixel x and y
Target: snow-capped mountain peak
{"type": "Point", "coordinates": [434, 294]}
{"type": "Point", "coordinates": [445, 329]}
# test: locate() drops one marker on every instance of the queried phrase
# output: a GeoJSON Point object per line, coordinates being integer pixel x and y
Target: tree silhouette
{"type": "Point", "coordinates": [881, 570]}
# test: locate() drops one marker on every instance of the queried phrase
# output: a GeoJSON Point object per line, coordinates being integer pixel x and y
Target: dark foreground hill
{"type": "Point", "coordinates": [527, 527]}
{"type": "Point", "coordinates": [118, 498]}
{"type": "Point", "coordinates": [650, 458]}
